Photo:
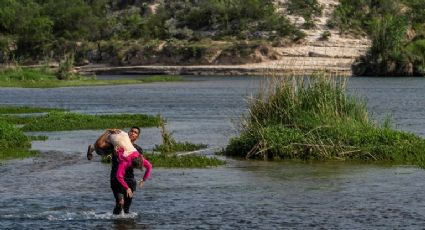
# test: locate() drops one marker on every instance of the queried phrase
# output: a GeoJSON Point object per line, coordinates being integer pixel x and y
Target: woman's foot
{"type": "Point", "coordinates": [90, 150]}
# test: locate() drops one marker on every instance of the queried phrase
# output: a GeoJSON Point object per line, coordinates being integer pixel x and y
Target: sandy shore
{"type": "Point", "coordinates": [302, 66]}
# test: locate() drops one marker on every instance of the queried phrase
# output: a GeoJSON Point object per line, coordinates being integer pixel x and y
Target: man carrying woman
{"type": "Point", "coordinates": [125, 156]}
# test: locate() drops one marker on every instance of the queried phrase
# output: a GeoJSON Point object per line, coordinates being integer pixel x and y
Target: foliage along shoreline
{"type": "Point", "coordinates": [44, 78]}
{"type": "Point", "coordinates": [205, 32]}
{"type": "Point", "coordinates": [397, 31]}
{"type": "Point", "coordinates": [316, 120]}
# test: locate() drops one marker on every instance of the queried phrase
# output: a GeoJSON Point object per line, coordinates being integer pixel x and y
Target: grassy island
{"type": "Point", "coordinates": [62, 121]}
{"type": "Point", "coordinates": [316, 120]}
{"type": "Point", "coordinates": [41, 78]}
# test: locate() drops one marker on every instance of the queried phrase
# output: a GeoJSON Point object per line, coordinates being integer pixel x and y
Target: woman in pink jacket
{"type": "Point", "coordinates": [127, 155]}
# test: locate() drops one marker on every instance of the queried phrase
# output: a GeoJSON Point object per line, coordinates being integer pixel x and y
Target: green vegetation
{"type": "Point", "coordinates": [174, 161]}
{"type": "Point", "coordinates": [397, 30]}
{"type": "Point", "coordinates": [178, 147]}
{"type": "Point", "coordinates": [13, 142]}
{"type": "Point", "coordinates": [188, 161]}
{"type": "Point", "coordinates": [34, 30]}
{"type": "Point", "coordinates": [59, 121]}
{"type": "Point", "coordinates": [169, 145]}
{"type": "Point", "coordinates": [39, 78]}
{"type": "Point", "coordinates": [307, 9]}
{"type": "Point", "coordinates": [325, 35]}
{"type": "Point", "coordinates": [294, 119]}
{"type": "Point", "coordinates": [167, 158]}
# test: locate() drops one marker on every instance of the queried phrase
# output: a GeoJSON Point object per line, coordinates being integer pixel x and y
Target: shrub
{"type": "Point", "coordinates": [325, 35]}
{"type": "Point", "coordinates": [315, 119]}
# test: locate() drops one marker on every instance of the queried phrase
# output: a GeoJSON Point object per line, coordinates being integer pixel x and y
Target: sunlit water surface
{"type": "Point", "coordinates": [61, 189]}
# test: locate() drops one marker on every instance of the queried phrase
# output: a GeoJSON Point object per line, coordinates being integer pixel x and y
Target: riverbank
{"type": "Point", "coordinates": [36, 77]}
{"type": "Point", "coordinates": [283, 67]}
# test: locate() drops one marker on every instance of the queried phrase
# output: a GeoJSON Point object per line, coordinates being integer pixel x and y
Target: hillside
{"type": "Point", "coordinates": [222, 34]}
{"type": "Point", "coordinates": [336, 53]}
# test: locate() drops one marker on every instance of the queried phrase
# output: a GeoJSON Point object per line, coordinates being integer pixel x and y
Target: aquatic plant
{"type": "Point", "coordinates": [170, 145]}
{"type": "Point", "coordinates": [187, 161]}
{"type": "Point", "coordinates": [314, 118]}
{"type": "Point", "coordinates": [174, 161]}
{"type": "Point", "coordinates": [13, 142]}
{"type": "Point", "coordinates": [59, 121]}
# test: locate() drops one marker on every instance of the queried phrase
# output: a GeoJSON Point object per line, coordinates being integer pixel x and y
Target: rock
{"type": "Point", "coordinates": [314, 54]}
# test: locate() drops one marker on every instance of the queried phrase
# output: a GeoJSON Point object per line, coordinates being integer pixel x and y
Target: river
{"type": "Point", "coordinates": [61, 189]}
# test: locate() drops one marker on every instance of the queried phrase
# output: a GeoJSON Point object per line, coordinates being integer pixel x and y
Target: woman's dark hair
{"type": "Point", "coordinates": [138, 162]}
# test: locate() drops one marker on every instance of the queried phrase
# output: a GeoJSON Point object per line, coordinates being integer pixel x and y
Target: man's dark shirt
{"type": "Point", "coordinates": [129, 174]}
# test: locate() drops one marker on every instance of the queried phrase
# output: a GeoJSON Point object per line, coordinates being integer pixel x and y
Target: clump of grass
{"type": "Point", "coordinates": [61, 121]}
{"type": "Point", "coordinates": [13, 142]}
{"type": "Point", "coordinates": [12, 137]}
{"type": "Point", "coordinates": [315, 119]}
{"type": "Point", "coordinates": [187, 161]}
{"type": "Point", "coordinates": [26, 109]}
{"type": "Point", "coordinates": [178, 147]}
{"type": "Point", "coordinates": [170, 145]}
{"type": "Point", "coordinates": [65, 69]}
{"type": "Point", "coordinates": [174, 161]}
{"type": "Point", "coordinates": [25, 75]}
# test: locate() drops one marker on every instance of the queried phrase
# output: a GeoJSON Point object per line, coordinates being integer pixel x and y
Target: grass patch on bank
{"type": "Point", "coordinates": [39, 78]}
{"type": "Point", "coordinates": [163, 160]}
{"type": "Point", "coordinates": [61, 121]}
{"type": "Point", "coordinates": [187, 161]}
{"type": "Point", "coordinates": [13, 142]}
{"type": "Point", "coordinates": [315, 119]}
{"type": "Point", "coordinates": [174, 147]}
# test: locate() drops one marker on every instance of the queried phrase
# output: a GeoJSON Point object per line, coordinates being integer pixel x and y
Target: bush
{"type": "Point", "coordinates": [12, 137]}
{"type": "Point", "coordinates": [307, 9]}
{"type": "Point", "coordinates": [325, 35]}
{"type": "Point", "coordinates": [315, 119]}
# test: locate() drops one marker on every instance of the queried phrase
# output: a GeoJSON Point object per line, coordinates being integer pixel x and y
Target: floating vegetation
{"type": "Point", "coordinates": [61, 121]}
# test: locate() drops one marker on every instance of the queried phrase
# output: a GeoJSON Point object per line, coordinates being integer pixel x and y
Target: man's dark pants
{"type": "Point", "coordinates": [119, 193]}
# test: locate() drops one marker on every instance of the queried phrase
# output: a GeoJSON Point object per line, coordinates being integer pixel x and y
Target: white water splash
{"type": "Point", "coordinates": [85, 215]}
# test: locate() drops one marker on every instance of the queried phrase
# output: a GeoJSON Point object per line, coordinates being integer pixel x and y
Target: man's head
{"type": "Point", "coordinates": [134, 133]}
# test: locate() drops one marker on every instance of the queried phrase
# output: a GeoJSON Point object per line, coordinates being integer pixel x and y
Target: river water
{"type": "Point", "coordinates": [61, 189]}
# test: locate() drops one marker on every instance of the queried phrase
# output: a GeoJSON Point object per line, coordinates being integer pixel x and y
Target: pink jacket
{"type": "Point", "coordinates": [126, 162]}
